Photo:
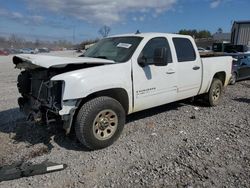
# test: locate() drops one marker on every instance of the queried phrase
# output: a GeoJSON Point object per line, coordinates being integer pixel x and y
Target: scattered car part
{"type": "Point", "coordinates": [16, 171]}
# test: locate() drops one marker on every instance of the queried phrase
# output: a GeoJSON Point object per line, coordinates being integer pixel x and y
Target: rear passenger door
{"type": "Point", "coordinates": [189, 68]}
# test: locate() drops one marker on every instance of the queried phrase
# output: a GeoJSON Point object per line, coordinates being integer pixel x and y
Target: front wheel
{"type": "Point", "coordinates": [99, 122]}
{"type": "Point", "coordinates": [215, 92]}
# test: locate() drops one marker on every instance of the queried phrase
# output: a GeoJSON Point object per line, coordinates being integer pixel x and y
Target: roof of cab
{"type": "Point", "coordinates": [144, 35]}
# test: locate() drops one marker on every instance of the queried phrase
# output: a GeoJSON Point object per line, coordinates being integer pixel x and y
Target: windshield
{"type": "Point", "coordinates": [118, 49]}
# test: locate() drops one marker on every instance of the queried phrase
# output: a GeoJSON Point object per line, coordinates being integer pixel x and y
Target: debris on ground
{"type": "Point", "coordinates": [20, 170]}
{"type": "Point", "coordinates": [196, 108]}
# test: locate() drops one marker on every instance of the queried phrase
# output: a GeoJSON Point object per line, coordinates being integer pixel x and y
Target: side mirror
{"type": "Point", "coordinates": [160, 57]}
{"type": "Point", "coordinates": [142, 61]}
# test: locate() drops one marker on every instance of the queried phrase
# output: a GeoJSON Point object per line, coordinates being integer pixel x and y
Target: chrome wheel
{"type": "Point", "coordinates": [216, 93]}
{"type": "Point", "coordinates": [105, 124]}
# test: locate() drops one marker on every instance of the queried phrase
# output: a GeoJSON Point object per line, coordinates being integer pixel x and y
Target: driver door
{"type": "Point", "coordinates": [153, 85]}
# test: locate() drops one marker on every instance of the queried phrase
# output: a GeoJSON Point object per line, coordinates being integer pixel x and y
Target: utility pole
{"type": "Point", "coordinates": [74, 34]}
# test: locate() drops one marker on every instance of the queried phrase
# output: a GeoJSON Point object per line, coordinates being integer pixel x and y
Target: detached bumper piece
{"type": "Point", "coordinates": [17, 171]}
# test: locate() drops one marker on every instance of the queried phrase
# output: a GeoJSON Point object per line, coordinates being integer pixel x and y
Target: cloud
{"type": "Point", "coordinates": [16, 15]}
{"type": "Point", "coordinates": [139, 18]}
{"type": "Point", "coordinates": [142, 18]}
{"type": "Point", "coordinates": [215, 3]}
{"type": "Point", "coordinates": [101, 11]}
{"type": "Point", "coordinates": [37, 19]}
{"type": "Point", "coordinates": [3, 12]}
{"type": "Point", "coordinates": [19, 17]}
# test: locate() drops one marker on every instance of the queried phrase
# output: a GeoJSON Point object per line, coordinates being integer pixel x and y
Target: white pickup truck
{"type": "Point", "coordinates": [117, 76]}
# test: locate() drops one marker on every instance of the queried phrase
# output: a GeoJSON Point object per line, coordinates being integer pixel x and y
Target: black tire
{"type": "Point", "coordinates": [233, 78]}
{"type": "Point", "coordinates": [88, 119]}
{"type": "Point", "coordinates": [215, 92]}
{"type": "Point", "coordinates": [23, 83]}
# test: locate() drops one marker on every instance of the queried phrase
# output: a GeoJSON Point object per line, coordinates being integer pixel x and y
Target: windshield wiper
{"type": "Point", "coordinates": [101, 57]}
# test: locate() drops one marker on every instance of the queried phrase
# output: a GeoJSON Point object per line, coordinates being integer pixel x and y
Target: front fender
{"type": "Point", "coordinates": [81, 83]}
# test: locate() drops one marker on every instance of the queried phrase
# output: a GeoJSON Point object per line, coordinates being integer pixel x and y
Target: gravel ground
{"type": "Point", "coordinates": [181, 144]}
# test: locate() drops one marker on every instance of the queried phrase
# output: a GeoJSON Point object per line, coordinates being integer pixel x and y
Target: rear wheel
{"type": "Point", "coordinates": [233, 78]}
{"type": "Point", "coordinates": [215, 92]}
{"type": "Point", "coordinates": [99, 122]}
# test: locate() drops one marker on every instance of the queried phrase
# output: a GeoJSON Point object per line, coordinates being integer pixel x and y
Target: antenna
{"type": "Point", "coordinates": [138, 32]}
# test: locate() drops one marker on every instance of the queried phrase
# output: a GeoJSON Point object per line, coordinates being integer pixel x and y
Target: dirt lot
{"type": "Point", "coordinates": [182, 144]}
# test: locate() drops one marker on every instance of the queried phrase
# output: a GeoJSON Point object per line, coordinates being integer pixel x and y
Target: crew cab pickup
{"type": "Point", "coordinates": [117, 76]}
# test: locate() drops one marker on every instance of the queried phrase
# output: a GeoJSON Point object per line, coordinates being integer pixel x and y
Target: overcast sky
{"type": "Point", "coordinates": [58, 19]}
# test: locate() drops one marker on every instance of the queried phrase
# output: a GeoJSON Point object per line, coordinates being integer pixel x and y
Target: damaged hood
{"type": "Point", "coordinates": [36, 61]}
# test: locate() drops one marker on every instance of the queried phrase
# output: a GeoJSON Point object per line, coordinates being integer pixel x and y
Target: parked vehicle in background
{"type": "Point", "coordinates": [43, 50]}
{"type": "Point", "coordinates": [200, 49]}
{"type": "Point", "coordinates": [28, 51]}
{"type": "Point", "coordinates": [13, 51]}
{"type": "Point", "coordinates": [78, 50]}
{"type": "Point", "coordinates": [240, 68]}
{"type": "Point", "coordinates": [220, 46]}
{"type": "Point", "coordinates": [3, 52]}
{"type": "Point", "coordinates": [117, 76]}
{"type": "Point", "coordinates": [226, 47]}
{"type": "Point", "coordinates": [209, 48]}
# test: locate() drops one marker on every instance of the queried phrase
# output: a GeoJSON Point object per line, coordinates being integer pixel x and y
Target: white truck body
{"type": "Point", "coordinates": [145, 86]}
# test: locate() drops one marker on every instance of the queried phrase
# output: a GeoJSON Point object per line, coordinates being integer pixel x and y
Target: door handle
{"type": "Point", "coordinates": [196, 68]}
{"type": "Point", "coordinates": [170, 71]}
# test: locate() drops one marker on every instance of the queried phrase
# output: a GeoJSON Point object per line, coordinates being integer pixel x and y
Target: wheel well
{"type": "Point", "coordinates": [221, 76]}
{"type": "Point", "coordinates": [118, 94]}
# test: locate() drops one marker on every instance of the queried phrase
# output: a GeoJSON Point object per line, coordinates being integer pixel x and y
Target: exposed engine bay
{"type": "Point", "coordinates": [40, 96]}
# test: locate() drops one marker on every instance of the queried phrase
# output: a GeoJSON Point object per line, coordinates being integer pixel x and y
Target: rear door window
{"type": "Point", "coordinates": [184, 49]}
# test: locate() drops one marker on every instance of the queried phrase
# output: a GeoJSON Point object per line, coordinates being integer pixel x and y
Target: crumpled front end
{"type": "Point", "coordinates": [41, 98]}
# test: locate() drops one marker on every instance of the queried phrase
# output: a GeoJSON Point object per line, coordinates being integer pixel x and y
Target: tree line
{"type": "Point", "coordinates": [14, 41]}
{"type": "Point", "coordinates": [17, 42]}
{"type": "Point", "coordinates": [196, 34]}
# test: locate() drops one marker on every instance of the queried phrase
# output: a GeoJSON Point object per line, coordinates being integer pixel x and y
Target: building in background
{"type": "Point", "coordinates": [221, 37]}
{"type": "Point", "coordinates": [241, 33]}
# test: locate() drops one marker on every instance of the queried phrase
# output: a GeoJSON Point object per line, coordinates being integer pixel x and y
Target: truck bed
{"type": "Point", "coordinates": [221, 64]}
{"type": "Point", "coordinates": [211, 54]}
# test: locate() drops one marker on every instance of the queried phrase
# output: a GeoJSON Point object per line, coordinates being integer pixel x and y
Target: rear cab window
{"type": "Point", "coordinates": [184, 49]}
